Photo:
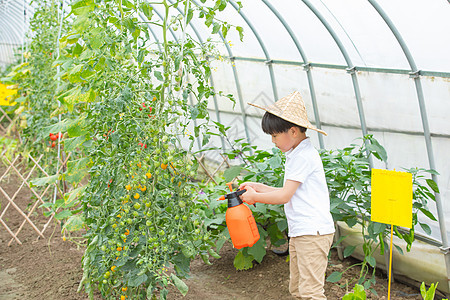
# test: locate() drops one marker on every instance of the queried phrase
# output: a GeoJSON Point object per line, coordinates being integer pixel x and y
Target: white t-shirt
{"type": "Point", "coordinates": [308, 211]}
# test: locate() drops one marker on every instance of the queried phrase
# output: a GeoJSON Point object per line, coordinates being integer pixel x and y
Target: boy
{"type": "Point", "coordinates": [304, 195]}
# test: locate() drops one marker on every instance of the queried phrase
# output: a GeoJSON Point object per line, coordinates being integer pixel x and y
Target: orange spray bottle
{"type": "Point", "coordinates": [240, 221]}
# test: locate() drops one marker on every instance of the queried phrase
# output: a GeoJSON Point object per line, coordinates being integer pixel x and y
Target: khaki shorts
{"type": "Point", "coordinates": [308, 264]}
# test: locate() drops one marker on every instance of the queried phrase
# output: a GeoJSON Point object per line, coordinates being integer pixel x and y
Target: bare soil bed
{"type": "Point", "coordinates": [51, 268]}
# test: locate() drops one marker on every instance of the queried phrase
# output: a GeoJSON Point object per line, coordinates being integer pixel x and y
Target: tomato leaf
{"type": "Point", "coordinates": [63, 215]}
{"type": "Point", "coordinates": [349, 250]}
{"type": "Point", "coordinates": [334, 277]}
{"type": "Point", "coordinates": [242, 262]}
{"type": "Point", "coordinates": [137, 280]}
{"type": "Point", "coordinates": [232, 173]}
{"type": "Point", "coordinates": [433, 185]}
{"type": "Point", "coordinates": [74, 223]}
{"type": "Point", "coordinates": [44, 180]}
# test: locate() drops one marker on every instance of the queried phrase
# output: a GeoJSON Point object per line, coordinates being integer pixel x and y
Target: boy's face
{"type": "Point", "coordinates": [284, 140]}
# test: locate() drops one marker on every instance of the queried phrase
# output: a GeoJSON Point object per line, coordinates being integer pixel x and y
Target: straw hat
{"type": "Point", "coordinates": [291, 108]}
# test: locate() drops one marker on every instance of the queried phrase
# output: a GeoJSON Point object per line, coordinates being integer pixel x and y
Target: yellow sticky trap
{"type": "Point", "coordinates": [392, 197]}
{"type": "Point", "coordinates": [6, 94]}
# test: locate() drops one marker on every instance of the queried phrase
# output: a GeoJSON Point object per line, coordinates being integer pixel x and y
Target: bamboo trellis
{"type": "Point", "coordinates": [6, 123]}
{"type": "Point", "coordinates": [24, 178]}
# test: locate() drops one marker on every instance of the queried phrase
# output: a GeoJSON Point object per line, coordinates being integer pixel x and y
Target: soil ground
{"type": "Point", "coordinates": [51, 268]}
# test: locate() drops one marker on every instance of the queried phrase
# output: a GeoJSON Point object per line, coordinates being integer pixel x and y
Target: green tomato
{"type": "Point", "coordinates": [106, 275]}
{"type": "Point", "coordinates": [137, 206]}
{"type": "Point", "coordinates": [103, 248]}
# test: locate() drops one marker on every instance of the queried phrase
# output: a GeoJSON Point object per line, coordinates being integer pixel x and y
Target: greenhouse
{"type": "Point", "coordinates": [122, 122]}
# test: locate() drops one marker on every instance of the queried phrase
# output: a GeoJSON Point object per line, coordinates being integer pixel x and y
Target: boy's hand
{"type": "Point", "coordinates": [253, 185]}
{"type": "Point", "coordinates": [249, 196]}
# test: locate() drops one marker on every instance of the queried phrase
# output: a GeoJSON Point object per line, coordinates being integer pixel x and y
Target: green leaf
{"type": "Point", "coordinates": [399, 249]}
{"type": "Point", "coordinates": [150, 291]}
{"type": "Point", "coordinates": [242, 262]}
{"type": "Point", "coordinates": [71, 144]}
{"type": "Point", "coordinates": [258, 250]}
{"type": "Point", "coordinates": [181, 286]}
{"type": "Point", "coordinates": [433, 185]}
{"type": "Point", "coordinates": [427, 213]}
{"type": "Point", "coordinates": [225, 30]}
{"type": "Point", "coordinates": [147, 10]}
{"type": "Point", "coordinates": [232, 173]}
{"type": "Point", "coordinates": [425, 228]}
{"type": "Point", "coordinates": [163, 294]}
{"type": "Point", "coordinates": [71, 196]}
{"type": "Point", "coordinates": [137, 280]}
{"type": "Point", "coordinates": [45, 180]}
{"type": "Point", "coordinates": [63, 214]}
{"type": "Point", "coordinates": [334, 277]}
{"type": "Point", "coordinates": [74, 223]}
{"type": "Point", "coordinates": [158, 75]}
{"type": "Point", "coordinates": [371, 260]}
{"type": "Point", "coordinates": [187, 250]}
{"type": "Point", "coordinates": [241, 32]}
{"type": "Point", "coordinates": [349, 250]}
{"type": "Point", "coordinates": [182, 264]}
{"type": "Point", "coordinates": [190, 14]}
{"type": "Point", "coordinates": [216, 28]}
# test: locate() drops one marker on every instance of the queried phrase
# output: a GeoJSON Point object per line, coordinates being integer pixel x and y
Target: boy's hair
{"type": "Point", "coordinates": [273, 124]}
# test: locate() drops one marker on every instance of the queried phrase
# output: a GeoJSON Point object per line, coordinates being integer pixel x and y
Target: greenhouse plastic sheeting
{"type": "Point", "coordinates": [270, 63]}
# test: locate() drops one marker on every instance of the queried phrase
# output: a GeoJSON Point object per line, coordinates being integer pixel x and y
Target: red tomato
{"type": "Point", "coordinates": [53, 137]}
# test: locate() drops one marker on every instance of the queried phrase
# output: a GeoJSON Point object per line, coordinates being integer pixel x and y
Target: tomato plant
{"type": "Point", "coordinates": [127, 101]}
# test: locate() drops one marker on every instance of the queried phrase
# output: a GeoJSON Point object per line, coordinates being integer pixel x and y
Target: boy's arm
{"type": "Point", "coordinates": [278, 196]}
{"type": "Point", "coordinates": [258, 187]}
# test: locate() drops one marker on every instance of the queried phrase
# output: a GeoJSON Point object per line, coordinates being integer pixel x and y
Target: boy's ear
{"type": "Point", "coordinates": [294, 130]}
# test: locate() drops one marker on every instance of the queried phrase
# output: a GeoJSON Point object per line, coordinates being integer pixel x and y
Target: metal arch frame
{"type": "Point", "coordinates": [11, 35]}
{"type": "Point", "coordinates": [415, 74]}
{"type": "Point", "coordinates": [307, 68]}
{"type": "Point", "coordinates": [17, 12]}
{"type": "Point", "coordinates": [263, 47]}
{"type": "Point", "coordinates": [351, 68]}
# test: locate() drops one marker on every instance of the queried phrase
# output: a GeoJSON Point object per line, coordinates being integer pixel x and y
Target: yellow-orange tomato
{"type": "Point", "coordinates": [136, 196]}
{"type": "Point", "coordinates": [128, 187]}
{"type": "Point", "coordinates": [163, 166]}
{"type": "Point", "coordinates": [154, 98]}
{"type": "Point", "coordinates": [127, 232]}
{"type": "Point", "coordinates": [119, 248]}
{"type": "Point", "coordinates": [124, 289]}
{"type": "Point", "coordinates": [112, 268]}
{"type": "Point", "coordinates": [143, 188]}
{"type": "Point", "coordinates": [149, 175]}
{"type": "Point", "coordinates": [122, 297]}
{"type": "Point", "coordinates": [139, 164]}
